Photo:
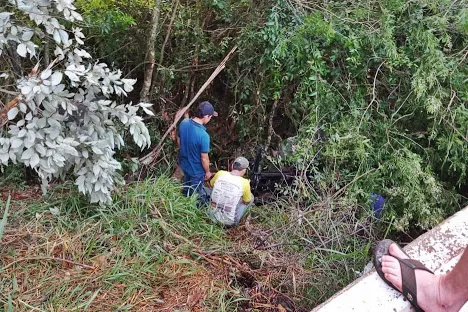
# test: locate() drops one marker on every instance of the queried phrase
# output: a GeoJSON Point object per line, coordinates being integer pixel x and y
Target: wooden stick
{"type": "Point", "coordinates": [151, 157]}
{"type": "Point", "coordinates": [48, 259]}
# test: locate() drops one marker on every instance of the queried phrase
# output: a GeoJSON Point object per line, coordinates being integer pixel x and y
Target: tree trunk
{"type": "Point", "coordinates": [166, 39]}
{"type": "Point", "coordinates": [150, 53]}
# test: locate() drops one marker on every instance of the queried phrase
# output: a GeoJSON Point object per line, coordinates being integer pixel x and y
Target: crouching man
{"type": "Point", "coordinates": [231, 195]}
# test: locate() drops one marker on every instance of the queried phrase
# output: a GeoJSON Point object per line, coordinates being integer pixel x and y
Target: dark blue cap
{"type": "Point", "coordinates": [205, 108]}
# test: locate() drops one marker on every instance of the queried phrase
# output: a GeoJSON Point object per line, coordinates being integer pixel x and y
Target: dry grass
{"type": "Point", "coordinates": [51, 271]}
{"type": "Point", "coordinates": [62, 255]}
{"type": "Point", "coordinates": [153, 251]}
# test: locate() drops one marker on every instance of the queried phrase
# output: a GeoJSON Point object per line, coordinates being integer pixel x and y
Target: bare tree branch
{"type": "Point", "coordinates": [270, 124]}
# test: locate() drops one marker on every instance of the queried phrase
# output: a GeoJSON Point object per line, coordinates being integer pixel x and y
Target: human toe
{"type": "Point", "coordinates": [390, 261]}
{"type": "Point", "coordinates": [394, 279]}
{"type": "Point", "coordinates": [391, 270]}
{"type": "Point", "coordinates": [397, 252]}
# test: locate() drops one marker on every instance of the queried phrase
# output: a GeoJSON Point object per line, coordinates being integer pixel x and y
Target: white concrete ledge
{"type": "Point", "coordinates": [439, 249]}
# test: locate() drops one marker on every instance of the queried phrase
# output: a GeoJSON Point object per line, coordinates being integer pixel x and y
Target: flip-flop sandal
{"type": "Point", "coordinates": [408, 268]}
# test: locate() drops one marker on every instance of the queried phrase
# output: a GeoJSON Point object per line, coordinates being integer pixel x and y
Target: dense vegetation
{"type": "Point", "coordinates": [384, 80]}
{"type": "Point", "coordinates": [369, 97]}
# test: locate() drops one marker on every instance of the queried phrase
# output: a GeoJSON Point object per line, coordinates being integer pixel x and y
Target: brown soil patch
{"type": "Point", "coordinates": [29, 193]}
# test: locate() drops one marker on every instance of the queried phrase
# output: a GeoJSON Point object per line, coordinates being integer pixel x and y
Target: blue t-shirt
{"type": "Point", "coordinates": [194, 140]}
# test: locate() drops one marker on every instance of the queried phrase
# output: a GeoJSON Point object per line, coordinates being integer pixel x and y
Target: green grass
{"type": "Point", "coordinates": [136, 248]}
{"type": "Point", "coordinates": [12, 175]}
{"type": "Point", "coordinates": [152, 249]}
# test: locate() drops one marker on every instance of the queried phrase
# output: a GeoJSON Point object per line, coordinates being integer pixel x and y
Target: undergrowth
{"type": "Point", "coordinates": [331, 239]}
{"type": "Point", "coordinates": [153, 250]}
{"type": "Point", "coordinates": [65, 254]}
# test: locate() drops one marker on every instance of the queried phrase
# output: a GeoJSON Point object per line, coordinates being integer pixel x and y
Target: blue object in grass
{"type": "Point", "coordinates": [378, 202]}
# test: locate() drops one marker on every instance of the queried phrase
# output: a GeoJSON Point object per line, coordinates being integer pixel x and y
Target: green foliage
{"type": "Point", "coordinates": [385, 83]}
{"type": "Point", "coordinates": [106, 16]}
{"type": "Point", "coordinates": [12, 175]}
{"type": "Point", "coordinates": [106, 25]}
{"type": "Point", "coordinates": [373, 92]}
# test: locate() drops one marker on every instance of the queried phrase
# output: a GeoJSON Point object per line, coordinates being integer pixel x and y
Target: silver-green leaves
{"type": "Point", "coordinates": [66, 120]}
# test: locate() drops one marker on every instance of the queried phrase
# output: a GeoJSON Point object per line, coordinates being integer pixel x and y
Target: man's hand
{"type": "Point", "coordinates": [208, 175]}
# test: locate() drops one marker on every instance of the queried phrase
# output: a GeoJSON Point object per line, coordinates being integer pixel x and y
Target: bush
{"type": "Point", "coordinates": [63, 119]}
{"type": "Point", "coordinates": [383, 83]}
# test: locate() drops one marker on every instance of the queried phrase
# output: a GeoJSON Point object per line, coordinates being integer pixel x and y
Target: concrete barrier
{"type": "Point", "coordinates": [439, 249]}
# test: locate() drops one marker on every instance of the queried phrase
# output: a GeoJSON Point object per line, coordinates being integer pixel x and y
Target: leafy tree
{"type": "Point", "coordinates": [386, 83]}
{"type": "Point", "coordinates": [63, 117]}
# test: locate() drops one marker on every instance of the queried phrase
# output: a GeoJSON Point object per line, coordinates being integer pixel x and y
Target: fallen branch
{"type": "Point", "coordinates": [153, 155]}
{"type": "Point", "coordinates": [8, 92]}
{"type": "Point", "coordinates": [48, 259]}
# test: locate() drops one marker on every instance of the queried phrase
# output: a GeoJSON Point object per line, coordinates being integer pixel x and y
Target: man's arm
{"type": "Point", "coordinates": [246, 193]}
{"type": "Point", "coordinates": [205, 160]}
{"type": "Point", "coordinates": [216, 177]}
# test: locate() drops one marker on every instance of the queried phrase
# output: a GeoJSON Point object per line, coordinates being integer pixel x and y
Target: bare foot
{"type": "Point", "coordinates": [431, 296]}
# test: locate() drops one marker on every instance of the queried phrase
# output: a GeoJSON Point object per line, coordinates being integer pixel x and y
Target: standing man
{"type": "Point", "coordinates": [231, 195]}
{"type": "Point", "coordinates": [194, 144]}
